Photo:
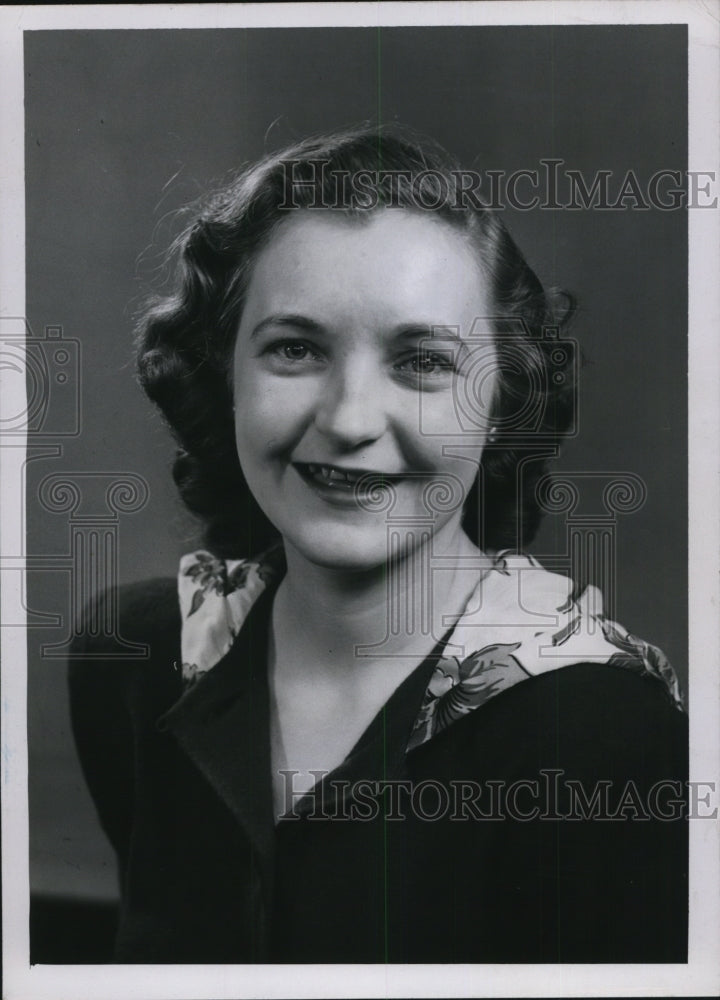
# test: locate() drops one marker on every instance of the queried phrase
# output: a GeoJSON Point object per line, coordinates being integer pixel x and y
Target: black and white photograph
{"type": "Point", "coordinates": [359, 463]}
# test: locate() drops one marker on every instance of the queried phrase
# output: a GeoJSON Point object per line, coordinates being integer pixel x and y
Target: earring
{"type": "Point", "coordinates": [492, 435]}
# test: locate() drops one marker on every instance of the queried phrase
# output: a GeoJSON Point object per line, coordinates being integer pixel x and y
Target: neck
{"type": "Point", "coordinates": [398, 609]}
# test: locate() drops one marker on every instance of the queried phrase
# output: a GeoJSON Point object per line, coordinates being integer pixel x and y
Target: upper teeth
{"type": "Point", "coordinates": [331, 474]}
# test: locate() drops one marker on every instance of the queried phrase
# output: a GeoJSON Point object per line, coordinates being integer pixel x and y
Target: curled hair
{"type": "Point", "coordinates": [186, 338]}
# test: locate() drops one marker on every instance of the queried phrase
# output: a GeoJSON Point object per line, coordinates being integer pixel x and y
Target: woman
{"type": "Point", "coordinates": [371, 733]}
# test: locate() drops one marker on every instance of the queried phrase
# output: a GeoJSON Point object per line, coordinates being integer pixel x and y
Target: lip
{"type": "Point", "coordinates": [338, 484]}
{"type": "Point", "coordinates": [348, 473]}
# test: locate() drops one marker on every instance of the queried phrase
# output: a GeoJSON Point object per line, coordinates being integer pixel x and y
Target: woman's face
{"type": "Point", "coordinates": [363, 348]}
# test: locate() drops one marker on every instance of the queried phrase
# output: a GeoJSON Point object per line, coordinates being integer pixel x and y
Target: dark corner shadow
{"type": "Point", "coordinates": [66, 931]}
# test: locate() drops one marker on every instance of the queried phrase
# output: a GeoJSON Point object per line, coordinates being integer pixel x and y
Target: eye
{"type": "Point", "coordinates": [294, 351]}
{"type": "Point", "coordinates": [427, 364]}
{"type": "Point", "coordinates": [290, 353]}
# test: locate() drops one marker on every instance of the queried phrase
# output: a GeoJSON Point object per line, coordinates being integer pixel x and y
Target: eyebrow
{"type": "Point", "coordinates": [286, 319]}
{"type": "Point", "coordinates": [428, 330]}
{"type": "Point", "coordinates": [405, 330]}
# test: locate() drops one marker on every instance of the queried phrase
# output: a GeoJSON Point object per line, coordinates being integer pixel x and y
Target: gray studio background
{"type": "Point", "coordinates": [125, 127]}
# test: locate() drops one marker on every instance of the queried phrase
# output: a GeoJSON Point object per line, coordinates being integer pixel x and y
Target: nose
{"type": "Point", "coordinates": [352, 409]}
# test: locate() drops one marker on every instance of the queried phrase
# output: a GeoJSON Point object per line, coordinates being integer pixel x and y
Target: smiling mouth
{"type": "Point", "coordinates": [347, 480]}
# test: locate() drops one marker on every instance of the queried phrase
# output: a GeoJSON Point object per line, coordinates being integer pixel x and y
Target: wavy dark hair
{"type": "Point", "coordinates": [185, 338]}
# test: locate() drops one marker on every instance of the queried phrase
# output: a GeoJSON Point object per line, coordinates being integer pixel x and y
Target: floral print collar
{"type": "Point", "coordinates": [521, 621]}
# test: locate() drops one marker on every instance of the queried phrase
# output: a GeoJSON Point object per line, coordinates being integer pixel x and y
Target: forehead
{"type": "Point", "coordinates": [386, 265]}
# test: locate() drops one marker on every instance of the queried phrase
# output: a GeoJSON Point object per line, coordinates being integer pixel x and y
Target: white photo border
{"type": "Point", "coordinates": [701, 975]}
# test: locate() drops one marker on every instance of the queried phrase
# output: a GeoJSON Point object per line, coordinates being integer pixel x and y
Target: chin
{"type": "Point", "coordinates": [341, 548]}
{"type": "Point", "coordinates": [352, 551]}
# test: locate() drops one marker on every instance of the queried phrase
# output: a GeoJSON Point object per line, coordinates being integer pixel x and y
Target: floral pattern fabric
{"type": "Point", "coordinates": [215, 598]}
{"type": "Point", "coordinates": [520, 621]}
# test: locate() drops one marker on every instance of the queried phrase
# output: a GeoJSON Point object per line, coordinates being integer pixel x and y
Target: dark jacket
{"type": "Point", "coordinates": [454, 852]}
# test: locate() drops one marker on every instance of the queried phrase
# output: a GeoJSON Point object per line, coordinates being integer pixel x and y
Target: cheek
{"type": "Point", "coordinates": [460, 466]}
{"type": "Point", "coordinates": [446, 446]}
{"type": "Point", "coordinates": [442, 427]}
{"type": "Point", "coordinates": [270, 415]}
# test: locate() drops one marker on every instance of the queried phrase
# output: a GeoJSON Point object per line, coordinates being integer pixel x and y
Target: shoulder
{"type": "Point", "coordinates": [606, 700]}
{"type": "Point", "coordinates": [593, 718]}
{"type": "Point", "coordinates": [133, 613]}
{"type": "Point", "coordinates": [121, 678]}
{"type": "Point", "coordinates": [129, 639]}
{"type": "Point", "coordinates": [610, 704]}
